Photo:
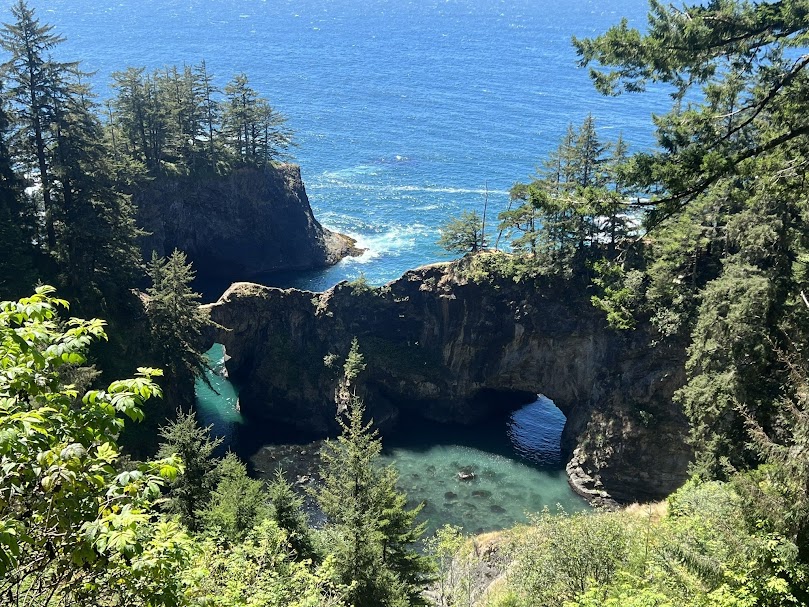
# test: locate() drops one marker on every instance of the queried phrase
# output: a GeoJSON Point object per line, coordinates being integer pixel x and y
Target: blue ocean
{"type": "Point", "coordinates": [405, 113]}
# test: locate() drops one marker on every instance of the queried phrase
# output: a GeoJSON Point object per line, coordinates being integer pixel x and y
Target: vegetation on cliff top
{"type": "Point", "coordinates": [719, 260]}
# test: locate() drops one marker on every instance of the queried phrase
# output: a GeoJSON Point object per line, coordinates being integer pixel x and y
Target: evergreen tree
{"type": "Point", "coordinates": [35, 83]}
{"type": "Point", "coordinates": [240, 116]}
{"type": "Point", "coordinates": [727, 189]}
{"type": "Point", "coordinates": [144, 117]}
{"type": "Point", "coordinates": [96, 233]}
{"type": "Point", "coordinates": [17, 227]}
{"type": "Point", "coordinates": [130, 112]}
{"type": "Point", "coordinates": [463, 234]}
{"type": "Point", "coordinates": [255, 131]}
{"type": "Point", "coordinates": [613, 204]}
{"type": "Point", "coordinates": [211, 112]}
{"type": "Point", "coordinates": [525, 218]}
{"type": "Point", "coordinates": [568, 217]}
{"type": "Point", "coordinates": [237, 504]}
{"type": "Point", "coordinates": [176, 324]}
{"type": "Point", "coordinates": [56, 137]}
{"type": "Point", "coordinates": [287, 511]}
{"type": "Point", "coordinates": [371, 531]}
{"type": "Point", "coordinates": [588, 156]}
{"type": "Point", "coordinates": [190, 493]}
{"type": "Point", "coordinates": [559, 168]}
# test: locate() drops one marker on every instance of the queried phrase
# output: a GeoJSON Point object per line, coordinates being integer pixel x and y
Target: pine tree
{"type": "Point", "coordinates": [463, 234]}
{"type": "Point", "coordinates": [727, 200]}
{"type": "Point", "coordinates": [17, 227]}
{"type": "Point", "coordinates": [524, 217]}
{"type": "Point", "coordinates": [34, 84]}
{"type": "Point", "coordinates": [287, 511]}
{"type": "Point", "coordinates": [255, 131]}
{"type": "Point", "coordinates": [567, 215]}
{"type": "Point", "coordinates": [588, 156]}
{"type": "Point", "coordinates": [190, 492]}
{"type": "Point", "coordinates": [237, 504]}
{"type": "Point", "coordinates": [96, 233]}
{"type": "Point", "coordinates": [613, 205]}
{"type": "Point", "coordinates": [176, 324]}
{"type": "Point", "coordinates": [239, 116]}
{"type": "Point", "coordinates": [371, 530]}
{"type": "Point", "coordinates": [143, 113]}
{"type": "Point", "coordinates": [130, 112]}
{"type": "Point", "coordinates": [211, 112]}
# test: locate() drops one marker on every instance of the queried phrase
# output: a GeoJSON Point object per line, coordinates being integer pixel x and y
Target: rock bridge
{"type": "Point", "coordinates": [447, 349]}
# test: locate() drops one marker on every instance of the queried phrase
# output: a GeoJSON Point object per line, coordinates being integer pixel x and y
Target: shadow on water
{"type": "Point", "coordinates": [480, 477]}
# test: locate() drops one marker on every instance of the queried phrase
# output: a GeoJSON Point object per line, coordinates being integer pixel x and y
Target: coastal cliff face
{"type": "Point", "coordinates": [250, 222]}
{"type": "Point", "coordinates": [443, 348]}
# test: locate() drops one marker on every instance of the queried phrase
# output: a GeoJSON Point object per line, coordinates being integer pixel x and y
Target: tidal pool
{"type": "Point", "coordinates": [481, 477]}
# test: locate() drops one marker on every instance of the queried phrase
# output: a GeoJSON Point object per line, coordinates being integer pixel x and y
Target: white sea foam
{"type": "Point", "coordinates": [391, 241]}
{"type": "Point", "coordinates": [340, 175]}
{"type": "Point", "coordinates": [334, 182]}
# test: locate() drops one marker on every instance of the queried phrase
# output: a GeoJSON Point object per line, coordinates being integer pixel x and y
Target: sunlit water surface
{"type": "Point", "coordinates": [406, 112]}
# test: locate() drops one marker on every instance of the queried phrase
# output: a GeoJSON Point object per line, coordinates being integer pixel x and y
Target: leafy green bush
{"type": "Point", "coordinates": [702, 553]}
{"type": "Point", "coordinates": [74, 527]}
{"type": "Point", "coordinates": [561, 556]}
{"type": "Point", "coordinates": [359, 286]}
{"type": "Point", "coordinates": [261, 571]}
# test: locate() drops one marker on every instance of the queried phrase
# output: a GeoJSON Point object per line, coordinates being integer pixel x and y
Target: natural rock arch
{"type": "Point", "coordinates": [434, 343]}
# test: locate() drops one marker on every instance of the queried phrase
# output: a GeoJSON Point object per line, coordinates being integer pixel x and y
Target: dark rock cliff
{"type": "Point", "coordinates": [250, 222]}
{"type": "Point", "coordinates": [438, 346]}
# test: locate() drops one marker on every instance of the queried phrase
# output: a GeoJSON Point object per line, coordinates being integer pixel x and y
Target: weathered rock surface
{"type": "Point", "coordinates": [439, 347]}
{"type": "Point", "coordinates": [250, 222]}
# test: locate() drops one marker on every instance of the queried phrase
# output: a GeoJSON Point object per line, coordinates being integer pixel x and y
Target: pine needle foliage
{"type": "Point", "coordinates": [370, 530]}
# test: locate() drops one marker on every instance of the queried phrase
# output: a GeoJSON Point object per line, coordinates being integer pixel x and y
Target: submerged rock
{"type": "Point", "coordinates": [466, 475]}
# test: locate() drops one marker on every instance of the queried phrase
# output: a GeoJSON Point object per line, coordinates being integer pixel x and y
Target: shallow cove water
{"type": "Point", "coordinates": [513, 461]}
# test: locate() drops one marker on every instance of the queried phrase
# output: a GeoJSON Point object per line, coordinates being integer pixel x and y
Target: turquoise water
{"type": "Point", "coordinates": [218, 398]}
{"type": "Point", "coordinates": [513, 463]}
{"type": "Point", "coordinates": [406, 111]}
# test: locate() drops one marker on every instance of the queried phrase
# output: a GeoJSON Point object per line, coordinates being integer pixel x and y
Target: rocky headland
{"type": "Point", "coordinates": [249, 222]}
{"type": "Point", "coordinates": [443, 347]}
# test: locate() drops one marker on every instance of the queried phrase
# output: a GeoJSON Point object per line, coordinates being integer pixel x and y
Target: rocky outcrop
{"type": "Point", "coordinates": [250, 222]}
{"type": "Point", "coordinates": [448, 349]}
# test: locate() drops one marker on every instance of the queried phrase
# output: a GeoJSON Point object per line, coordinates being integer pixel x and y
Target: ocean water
{"type": "Point", "coordinates": [406, 112]}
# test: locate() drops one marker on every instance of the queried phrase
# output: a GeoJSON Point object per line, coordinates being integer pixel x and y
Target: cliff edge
{"type": "Point", "coordinates": [250, 222]}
